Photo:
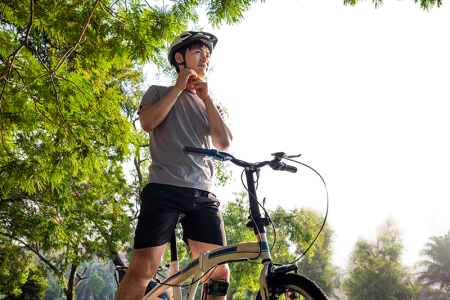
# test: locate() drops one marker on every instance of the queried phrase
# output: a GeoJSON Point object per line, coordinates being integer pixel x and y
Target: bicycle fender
{"type": "Point", "coordinates": [284, 269]}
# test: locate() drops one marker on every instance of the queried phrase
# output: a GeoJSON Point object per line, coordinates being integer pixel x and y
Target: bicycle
{"type": "Point", "coordinates": [275, 282]}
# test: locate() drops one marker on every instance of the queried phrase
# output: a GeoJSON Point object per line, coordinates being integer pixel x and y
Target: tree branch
{"type": "Point", "coordinates": [31, 21]}
{"type": "Point", "coordinates": [3, 10]}
{"type": "Point", "coordinates": [69, 52]}
{"type": "Point", "coordinates": [104, 9]}
{"type": "Point", "coordinates": [80, 278]}
{"type": "Point", "coordinates": [138, 169]}
{"type": "Point", "coordinates": [3, 137]}
{"type": "Point", "coordinates": [57, 101]}
{"type": "Point", "coordinates": [57, 272]}
{"type": "Point", "coordinates": [8, 73]}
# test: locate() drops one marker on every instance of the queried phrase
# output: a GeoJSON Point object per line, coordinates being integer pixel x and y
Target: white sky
{"type": "Point", "coordinates": [361, 93]}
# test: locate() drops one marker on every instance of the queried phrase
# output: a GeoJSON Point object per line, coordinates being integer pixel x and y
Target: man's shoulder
{"type": "Point", "coordinates": [159, 89]}
{"type": "Point", "coordinates": [154, 93]}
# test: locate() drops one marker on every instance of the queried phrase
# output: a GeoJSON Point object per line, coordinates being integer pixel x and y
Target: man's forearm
{"type": "Point", "coordinates": [152, 115]}
{"type": "Point", "coordinates": [220, 132]}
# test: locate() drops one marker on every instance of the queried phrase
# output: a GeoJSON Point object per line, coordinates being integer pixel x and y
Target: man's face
{"type": "Point", "coordinates": [198, 60]}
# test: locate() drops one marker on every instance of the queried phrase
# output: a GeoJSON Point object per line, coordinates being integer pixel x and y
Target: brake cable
{"type": "Point", "coordinates": [326, 212]}
{"type": "Point", "coordinates": [273, 225]}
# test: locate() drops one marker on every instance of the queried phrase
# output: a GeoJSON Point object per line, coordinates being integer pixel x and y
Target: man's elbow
{"type": "Point", "coordinates": [223, 144]}
{"type": "Point", "coordinates": [147, 126]}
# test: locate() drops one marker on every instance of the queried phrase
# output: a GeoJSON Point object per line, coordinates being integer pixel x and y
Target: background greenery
{"type": "Point", "coordinates": [71, 79]}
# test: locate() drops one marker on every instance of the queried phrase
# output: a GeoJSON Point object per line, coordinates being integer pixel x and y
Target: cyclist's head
{"type": "Point", "coordinates": [190, 40]}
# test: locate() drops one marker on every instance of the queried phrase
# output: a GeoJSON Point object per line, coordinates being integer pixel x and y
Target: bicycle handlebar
{"type": "Point", "coordinates": [275, 164]}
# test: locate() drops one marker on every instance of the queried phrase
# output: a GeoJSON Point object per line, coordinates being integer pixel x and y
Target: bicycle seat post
{"type": "Point", "coordinates": [174, 264]}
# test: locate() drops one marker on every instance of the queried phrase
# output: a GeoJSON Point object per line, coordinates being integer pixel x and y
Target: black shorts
{"type": "Point", "coordinates": [163, 204]}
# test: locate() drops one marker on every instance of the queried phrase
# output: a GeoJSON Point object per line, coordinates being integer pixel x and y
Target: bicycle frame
{"type": "Point", "coordinates": [226, 254]}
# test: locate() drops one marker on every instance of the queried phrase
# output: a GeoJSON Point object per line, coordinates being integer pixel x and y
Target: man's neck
{"type": "Point", "coordinates": [191, 89]}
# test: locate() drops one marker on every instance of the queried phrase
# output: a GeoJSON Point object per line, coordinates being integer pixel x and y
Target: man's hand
{"type": "Point", "coordinates": [201, 88]}
{"type": "Point", "coordinates": [184, 78]}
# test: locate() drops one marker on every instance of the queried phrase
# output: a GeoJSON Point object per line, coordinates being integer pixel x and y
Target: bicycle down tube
{"type": "Point", "coordinates": [206, 261]}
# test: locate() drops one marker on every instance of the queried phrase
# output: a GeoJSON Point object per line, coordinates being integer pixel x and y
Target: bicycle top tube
{"type": "Point", "coordinates": [257, 222]}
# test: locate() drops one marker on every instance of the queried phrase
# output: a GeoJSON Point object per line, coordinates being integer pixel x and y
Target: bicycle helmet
{"type": "Point", "coordinates": [185, 38]}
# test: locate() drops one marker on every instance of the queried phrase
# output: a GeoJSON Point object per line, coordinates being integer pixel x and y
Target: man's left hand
{"type": "Point", "coordinates": [200, 87]}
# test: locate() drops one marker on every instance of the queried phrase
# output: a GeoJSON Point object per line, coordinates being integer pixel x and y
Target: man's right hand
{"type": "Point", "coordinates": [151, 115]}
{"type": "Point", "coordinates": [183, 79]}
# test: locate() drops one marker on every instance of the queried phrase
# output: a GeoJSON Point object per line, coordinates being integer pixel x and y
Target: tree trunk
{"type": "Point", "coordinates": [70, 293]}
{"type": "Point", "coordinates": [230, 297]}
{"type": "Point", "coordinates": [117, 261]}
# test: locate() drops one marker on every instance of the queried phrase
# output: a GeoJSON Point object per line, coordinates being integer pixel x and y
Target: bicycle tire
{"type": "Point", "coordinates": [292, 287]}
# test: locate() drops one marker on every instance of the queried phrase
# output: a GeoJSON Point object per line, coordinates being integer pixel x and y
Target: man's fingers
{"type": "Point", "coordinates": [199, 82]}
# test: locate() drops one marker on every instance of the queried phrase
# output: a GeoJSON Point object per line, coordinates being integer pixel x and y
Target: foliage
{"type": "Point", "coordinates": [55, 292]}
{"type": "Point", "coordinates": [424, 4]}
{"type": "Point", "coordinates": [15, 266]}
{"type": "Point", "coordinates": [98, 283]}
{"type": "Point", "coordinates": [437, 264]}
{"type": "Point", "coordinates": [243, 275]}
{"type": "Point", "coordinates": [99, 278]}
{"type": "Point", "coordinates": [295, 230]}
{"type": "Point", "coordinates": [320, 268]}
{"type": "Point", "coordinates": [70, 83]}
{"type": "Point", "coordinates": [428, 293]}
{"type": "Point", "coordinates": [34, 288]}
{"type": "Point", "coordinates": [95, 284]}
{"type": "Point", "coordinates": [375, 268]}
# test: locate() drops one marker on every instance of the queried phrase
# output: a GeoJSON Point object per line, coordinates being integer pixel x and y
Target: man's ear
{"type": "Point", "coordinates": [179, 57]}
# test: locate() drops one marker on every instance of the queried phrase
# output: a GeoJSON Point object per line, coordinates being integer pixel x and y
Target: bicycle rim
{"type": "Point", "coordinates": [294, 287]}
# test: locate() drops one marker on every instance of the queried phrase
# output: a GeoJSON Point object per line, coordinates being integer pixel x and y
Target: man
{"type": "Point", "coordinates": [179, 116]}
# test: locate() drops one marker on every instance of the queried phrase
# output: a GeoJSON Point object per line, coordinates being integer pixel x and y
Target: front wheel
{"type": "Point", "coordinates": [293, 287]}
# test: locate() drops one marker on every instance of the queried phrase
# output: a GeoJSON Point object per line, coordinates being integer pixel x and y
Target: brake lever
{"type": "Point", "coordinates": [284, 155]}
{"type": "Point", "coordinates": [218, 157]}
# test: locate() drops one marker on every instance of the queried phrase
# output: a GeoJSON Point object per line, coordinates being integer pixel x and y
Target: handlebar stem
{"type": "Point", "coordinates": [254, 205]}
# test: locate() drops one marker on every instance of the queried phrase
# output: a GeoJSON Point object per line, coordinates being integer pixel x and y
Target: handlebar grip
{"type": "Point", "coordinates": [199, 151]}
{"type": "Point", "coordinates": [291, 169]}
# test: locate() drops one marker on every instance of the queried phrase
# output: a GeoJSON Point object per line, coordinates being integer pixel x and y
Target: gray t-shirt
{"type": "Point", "coordinates": [185, 125]}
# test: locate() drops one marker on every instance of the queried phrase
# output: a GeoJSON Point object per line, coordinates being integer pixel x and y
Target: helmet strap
{"type": "Point", "coordinates": [177, 66]}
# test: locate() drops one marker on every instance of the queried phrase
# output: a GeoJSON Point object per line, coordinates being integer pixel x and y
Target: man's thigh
{"type": "Point", "coordinates": [157, 218]}
{"type": "Point", "coordinates": [198, 247]}
{"type": "Point", "coordinates": [204, 223]}
{"type": "Point", "coordinates": [145, 262]}
{"type": "Point", "coordinates": [221, 271]}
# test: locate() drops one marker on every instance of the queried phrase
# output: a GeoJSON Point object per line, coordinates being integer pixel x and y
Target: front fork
{"type": "Point", "coordinates": [263, 286]}
{"type": "Point", "coordinates": [267, 265]}
{"type": "Point", "coordinates": [268, 272]}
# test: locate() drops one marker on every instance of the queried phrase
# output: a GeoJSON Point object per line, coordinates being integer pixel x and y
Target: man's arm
{"type": "Point", "coordinates": [220, 132]}
{"type": "Point", "coordinates": [151, 115]}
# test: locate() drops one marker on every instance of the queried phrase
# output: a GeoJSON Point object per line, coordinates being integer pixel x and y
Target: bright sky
{"type": "Point", "coordinates": [361, 94]}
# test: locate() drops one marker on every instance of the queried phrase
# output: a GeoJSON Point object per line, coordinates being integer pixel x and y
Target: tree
{"type": "Point", "coordinates": [34, 288]}
{"type": "Point", "coordinates": [424, 4]}
{"type": "Point", "coordinates": [98, 276]}
{"type": "Point", "coordinates": [437, 264]}
{"type": "Point", "coordinates": [69, 86]}
{"type": "Point", "coordinates": [375, 268]}
{"type": "Point", "coordinates": [15, 265]}
{"type": "Point", "coordinates": [95, 284]}
{"type": "Point", "coordinates": [320, 268]}
{"type": "Point", "coordinates": [295, 230]}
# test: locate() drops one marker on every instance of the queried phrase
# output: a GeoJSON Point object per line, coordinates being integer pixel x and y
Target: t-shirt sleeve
{"type": "Point", "coordinates": [151, 96]}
